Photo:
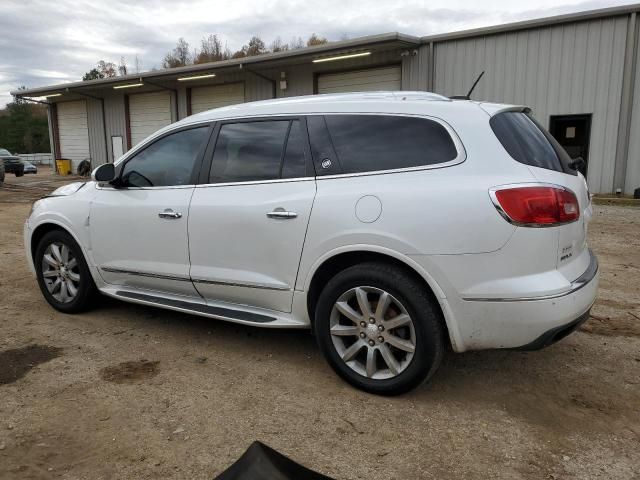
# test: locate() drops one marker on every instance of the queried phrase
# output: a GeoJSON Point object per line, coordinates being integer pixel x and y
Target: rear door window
{"type": "Point", "coordinates": [365, 143]}
{"type": "Point", "coordinates": [249, 151]}
{"type": "Point", "coordinates": [527, 142]}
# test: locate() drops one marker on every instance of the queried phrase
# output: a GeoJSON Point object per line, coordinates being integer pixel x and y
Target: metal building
{"type": "Point", "coordinates": [577, 72]}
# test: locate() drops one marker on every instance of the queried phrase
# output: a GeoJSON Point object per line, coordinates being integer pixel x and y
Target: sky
{"type": "Point", "coordinates": [47, 42]}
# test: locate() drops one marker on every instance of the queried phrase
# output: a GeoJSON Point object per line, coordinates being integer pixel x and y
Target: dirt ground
{"type": "Point", "coordinates": [127, 391]}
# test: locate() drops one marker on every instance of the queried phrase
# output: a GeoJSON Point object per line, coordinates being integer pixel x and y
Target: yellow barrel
{"type": "Point", "coordinates": [63, 166]}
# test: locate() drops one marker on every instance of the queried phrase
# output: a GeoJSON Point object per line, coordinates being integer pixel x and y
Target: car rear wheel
{"type": "Point", "coordinates": [63, 275]}
{"type": "Point", "coordinates": [19, 173]}
{"type": "Point", "coordinates": [378, 329]}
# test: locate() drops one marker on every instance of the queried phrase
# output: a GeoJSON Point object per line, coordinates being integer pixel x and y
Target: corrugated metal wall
{"type": "Point", "coordinates": [95, 125]}
{"type": "Point", "coordinates": [566, 69]}
{"type": "Point", "coordinates": [632, 178]}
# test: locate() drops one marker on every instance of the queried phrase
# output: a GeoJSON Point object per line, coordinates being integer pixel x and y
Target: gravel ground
{"type": "Point", "coordinates": [126, 391]}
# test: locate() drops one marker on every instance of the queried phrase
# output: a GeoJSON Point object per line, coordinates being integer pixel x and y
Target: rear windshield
{"type": "Point", "coordinates": [527, 142]}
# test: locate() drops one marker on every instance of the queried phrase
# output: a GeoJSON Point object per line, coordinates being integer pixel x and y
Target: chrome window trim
{"type": "Point", "coordinates": [503, 214]}
{"type": "Point", "coordinates": [256, 182]}
{"type": "Point", "coordinates": [580, 282]}
{"type": "Point", "coordinates": [393, 170]}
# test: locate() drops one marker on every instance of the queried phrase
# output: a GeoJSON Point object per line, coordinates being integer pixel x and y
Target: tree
{"type": "Point", "coordinates": [93, 74]}
{"type": "Point", "coordinates": [107, 69]}
{"type": "Point", "coordinates": [137, 64]}
{"type": "Point", "coordinates": [24, 127]}
{"type": "Point", "coordinates": [122, 68]}
{"type": "Point", "coordinates": [179, 56]}
{"type": "Point", "coordinates": [210, 50]}
{"type": "Point", "coordinates": [316, 40]}
{"type": "Point", "coordinates": [278, 45]}
{"type": "Point", "coordinates": [256, 47]}
{"type": "Point", "coordinates": [296, 43]}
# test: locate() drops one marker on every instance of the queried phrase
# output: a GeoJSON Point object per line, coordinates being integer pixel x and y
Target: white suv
{"type": "Point", "coordinates": [392, 224]}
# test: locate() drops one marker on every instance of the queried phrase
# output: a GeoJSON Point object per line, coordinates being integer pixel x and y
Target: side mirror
{"type": "Point", "coordinates": [104, 173]}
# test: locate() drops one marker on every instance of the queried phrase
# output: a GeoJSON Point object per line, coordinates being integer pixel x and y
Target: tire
{"type": "Point", "coordinates": [404, 296]}
{"type": "Point", "coordinates": [19, 173]}
{"type": "Point", "coordinates": [77, 275]}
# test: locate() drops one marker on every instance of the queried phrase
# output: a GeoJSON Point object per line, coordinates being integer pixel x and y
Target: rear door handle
{"type": "Point", "coordinates": [168, 213]}
{"type": "Point", "coordinates": [281, 214]}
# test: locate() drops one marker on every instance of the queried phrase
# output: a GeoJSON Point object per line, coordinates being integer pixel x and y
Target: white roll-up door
{"type": "Point", "coordinates": [214, 96]}
{"type": "Point", "coordinates": [148, 112]}
{"type": "Point", "coordinates": [73, 132]}
{"type": "Point", "coordinates": [366, 80]}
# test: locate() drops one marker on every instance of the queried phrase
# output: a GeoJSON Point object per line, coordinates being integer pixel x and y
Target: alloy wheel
{"type": "Point", "coordinates": [60, 272]}
{"type": "Point", "coordinates": [372, 332]}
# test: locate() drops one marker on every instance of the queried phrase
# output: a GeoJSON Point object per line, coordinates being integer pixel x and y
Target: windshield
{"type": "Point", "coordinates": [4, 151]}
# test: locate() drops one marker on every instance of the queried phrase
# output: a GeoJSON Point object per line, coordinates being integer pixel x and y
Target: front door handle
{"type": "Point", "coordinates": [282, 214]}
{"type": "Point", "coordinates": [168, 213]}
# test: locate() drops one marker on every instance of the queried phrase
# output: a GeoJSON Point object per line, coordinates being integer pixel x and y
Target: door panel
{"type": "Point", "coordinates": [241, 255]}
{"type": "Point", "coordinates": [133, 246]}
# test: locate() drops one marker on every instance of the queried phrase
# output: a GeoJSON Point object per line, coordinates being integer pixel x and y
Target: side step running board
{"type": "Point", "coordinates": [199, 308]}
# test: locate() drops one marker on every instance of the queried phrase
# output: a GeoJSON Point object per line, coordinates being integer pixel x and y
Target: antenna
{"type": "Point", "coordinates": [474, 85]}
{"type": "Point", "coordinates": [468, 95]}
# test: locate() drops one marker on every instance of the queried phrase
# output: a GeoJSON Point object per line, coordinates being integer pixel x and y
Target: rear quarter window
{"type": "Point", "coordinates": [365, 143]}
{"type": "Point", "coordinates": [529, 143]}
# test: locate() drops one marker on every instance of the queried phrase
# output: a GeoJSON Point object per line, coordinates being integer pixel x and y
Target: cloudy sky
{"type": "Point", "coordinates": [45, 42]}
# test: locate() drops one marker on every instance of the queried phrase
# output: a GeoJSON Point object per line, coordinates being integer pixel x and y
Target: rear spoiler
{"type": "Point", "coordinates": [495, 108]}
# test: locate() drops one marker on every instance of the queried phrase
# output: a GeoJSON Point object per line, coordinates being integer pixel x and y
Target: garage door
{"type": "Point", "coordinates": [206, 98]}
{"type": "Point", "coordinates": [73, 133]}
{"type": "Point", "coordinates": [148, 112]}
{"type": "Point", "coordinates": [387, 78]}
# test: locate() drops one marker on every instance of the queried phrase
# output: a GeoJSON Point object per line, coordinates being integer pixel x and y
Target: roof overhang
{"type": "Point", "coordinates": [169, 78]}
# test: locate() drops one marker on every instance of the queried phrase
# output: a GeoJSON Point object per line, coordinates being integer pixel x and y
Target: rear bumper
{"type": "Point", "coordinates": [556, 334]}
{"type": "Point", "coordinates": [526, 322]}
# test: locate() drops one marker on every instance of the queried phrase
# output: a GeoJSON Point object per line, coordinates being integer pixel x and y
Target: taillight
{"type": "Point", "coordinates": [536, 206]}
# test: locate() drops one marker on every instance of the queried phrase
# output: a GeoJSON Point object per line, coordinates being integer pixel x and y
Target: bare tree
{"type": "Point", "coordinates": [296, 43]}
{"type": "Point", "coordinates": [210, 50]}
{"type": "Point", "coordinates": [179, 56]}
{"type": "Point", "coordinates": [107, 69]}
{"type": "Point", "coordinates": [137, 64]}
{"type": "Point", "coordinates": [122, 68]}
{"type": "Point", "coordinates": [278, 45]}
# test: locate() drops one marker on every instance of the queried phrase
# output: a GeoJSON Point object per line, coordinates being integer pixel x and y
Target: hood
{"type": "Point", "coordinates": [67, 190]}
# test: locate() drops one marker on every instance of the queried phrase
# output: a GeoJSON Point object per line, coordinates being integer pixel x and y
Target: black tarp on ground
{"type": "Point", "coordinates": [261, 462]}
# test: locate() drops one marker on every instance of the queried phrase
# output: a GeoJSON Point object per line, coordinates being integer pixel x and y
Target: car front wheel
{"type": "Point", "coordinates": [63, 274]}
{"type": "Point", "coordinates": [378, 329]}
